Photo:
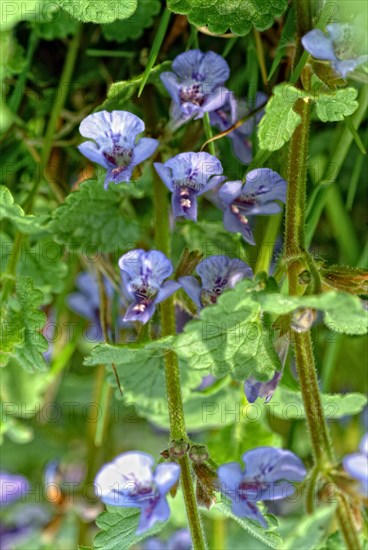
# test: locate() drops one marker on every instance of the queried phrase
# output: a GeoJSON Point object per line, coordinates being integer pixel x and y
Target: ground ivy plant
{"type": "Point", "coordinates": [184, 292]}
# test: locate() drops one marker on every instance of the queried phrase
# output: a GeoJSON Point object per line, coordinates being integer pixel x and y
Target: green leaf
{"type": "Point", "coordinates": [99, 11]}
{"type": "Point", "coordinates": [239, 16]}
{"type": "Point", "coordinates": [118, 529]}
{"type": "Point", "coordinates": [280, 120]}
{"type": "Point", "coordinates": [57, 24]}
{"type": "Point", "coordinates": [335, 105]}
{"type": "Point", "coordinates": [343, 312]}
{"type": "Point", "coordinates": [120, 92]}
{"type": "Point", "coordinates": [203, 412]}
{"type": "Point", "coordinates": [15, 214]}
{"type": "Point", "coordinates": [93, 218]}
{"type": "Point", "coordinates": [20, 10]}
{"type": "Point", "coordinates": [133, 27]}
{"type": "Point", "coordinates": [142, 376]}
{"type": "Point", "coordinates": [288, 404]}
{"type": "Point", "coordinates": [309, 531]}
{"type": "Point", "coordinates": [270, 538]}
{"type": "Point", "coordinates": [229, 338]}
{"type": "Point", "coordinates": [248, 430]}
{"type": "Point", "coordinates": [42, 262]}
{"type": "Point", "coordinates": [21, 322]}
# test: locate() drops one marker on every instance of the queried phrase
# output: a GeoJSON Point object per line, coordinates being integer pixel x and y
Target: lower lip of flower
{"type": "Point", "coordinates": [235, 210]}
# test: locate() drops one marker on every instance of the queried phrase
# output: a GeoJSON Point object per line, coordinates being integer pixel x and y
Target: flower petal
{"type": "Point", "coordinates": [152, 265]}
{"type": "Point", "coordinates": [233, 224]}
{"type": "Point", "coordinates": [215, 99]}
{"type": "Point", "coordinates": [230, 191]}
{"type": "Point", "coordinates": [151, 513]}
{"type": "Point", "coordinates": [356, 464]}
{"type": "Point", "coordinates": [269, 464]}
{"type": "Point", "coordinates": [230, 475]}
{"type": "Point", "coordinates": [212, 182]}
{"type": "Point", "coordinates": [144, 149]}
{"type": "Point", "coordinates": [164, 173]}
{"type": "Point", "coordinates": [191, 286]}
{"type": "Point", "coordinates": [172, 85]}
{"type": "Point", "coordinates": [166, 476]}
{"type": "Point", "coordinates": [184, 203]}
{"type": "Point", "coordinates": [135, 313]}
{"type": "Point", "coordinates": [245, 509]}
{"type": "Point", "coordinates": [319, 45]}
{"type": "Point", "coordinates": [168, 288]}
{"type": "Point", "coordinates": [92, 152]}
{"type": "Point", "coordinates": [186, 63]}
{"type": "Point", "coordinates": [118, 175]}
{"type": "Point", "coordinates": [266, 184]}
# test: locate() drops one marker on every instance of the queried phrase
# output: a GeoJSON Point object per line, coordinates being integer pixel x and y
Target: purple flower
{"type": "Point", "coordinates": [189, 175]}
{"type": "Point", "coordinates": [217, 274]}
{"type": "Point", "coordinates": [143, 275]}
{"type": "Point", "coordinates": [25, 522]}
{"type": "Point", "coordinates": [129, 481]}
{"type": "Point", "coordinates": [356, 465]}
{"type": "Point", "coordinates": [337, 46]}
{"type": "Point", "coordinates": [12, 487]}
{"type": "Point", "coordinates": [254, 389]}
{"type": "Point", "coordinates": [86, 303]}
{"type": "Point", "coordinates": [114, 144]}
{"type": "Point", "coordinates": [267, 476]}
{"type": "Point", "coordinates": [196, 85]}
{"type": "Point", "coordinates": [227, 116]}
{"type": "Point", "coordinates": [180, 540]}
{"type": "Point", "coordinates": [258, 196]}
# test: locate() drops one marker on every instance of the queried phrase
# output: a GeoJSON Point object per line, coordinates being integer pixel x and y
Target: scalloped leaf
{"type": "Point", "coordinates": [237, 15]}
{"type": "Point", "coordinates": [94, 219]}
{"type": "Point", "coordinates": [134, 26]}
{"type": "Point", "coordinates": [99, 11]}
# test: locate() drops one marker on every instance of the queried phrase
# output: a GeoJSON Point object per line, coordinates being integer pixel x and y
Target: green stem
{"type": "Point", "coordinates": [172, 372]}
{"type": "Point", "coordinates": [316, 422]}
{"type": "Point", "coordinates": [60, 99]}
{"type": "Point", "coordinates": [294, 253]}
{"type": "Point", "coordinates": [61, 95]}
{"type": "Point", "coordinates": [209, 134]}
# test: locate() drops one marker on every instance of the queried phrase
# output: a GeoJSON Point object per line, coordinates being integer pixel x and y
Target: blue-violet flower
{"type": "Point", "coordinates": [258, 196]}
{"type": "Point", "coordinates": [130, 481]}
{"type": "Point", "coordinates": [114, 144]}
{"type": "Point", "coordinates": [337, 46]}
{"type": "Point", "coordinates": [143, 275]}
{"type": "Point", "coordinates": [217, 274]}
{"type": "Point", "coordinates": [12, 487]}
{"type": "Point", "coordinates": [189, 175]}
{"type": "Point", "coordinates": [196, 85]}
{"type": "Point", "coordinates": [356, 464]}
{"type": "Point", "coordinates": [226, 116]}
{"type": "Point", "coordinates": [267, 476]}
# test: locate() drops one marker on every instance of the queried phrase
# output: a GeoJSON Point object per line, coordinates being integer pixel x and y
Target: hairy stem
{"type": "Point", "coordinates": [295, 256]}
{"type": "Point", "coordinates": [172, 372]}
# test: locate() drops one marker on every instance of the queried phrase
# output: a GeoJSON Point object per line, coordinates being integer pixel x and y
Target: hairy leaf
{"type": "Point", "coordinates": [335, 105]}
{"type": "Point", "coordinates": [93, 218]}
{"type": "Point", "coordinates": [21, 323]}
{"type": "Point", "coordinates": [288, 404]}
{"type": "Point", "coordinates": [237, 15]}
{"type": "Point", "coordinates": [142, 376]}
{"type": "Point", "coordinates": [268, 537]}
{"type": "Point", "coordinates": [280, 120]}
{"type": "Point", "coordinates": [309, 531]}
{"type": "Point", "coordinates": [229, 338]}
{"type": "Point", "coordinates": [11, 211]}
{"type": "Point", "coordinates": [118, 529]}
{"type": "Point", "coordinates": [133, 27]}
{"type": "Point", "coordinates": [99, 11]}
